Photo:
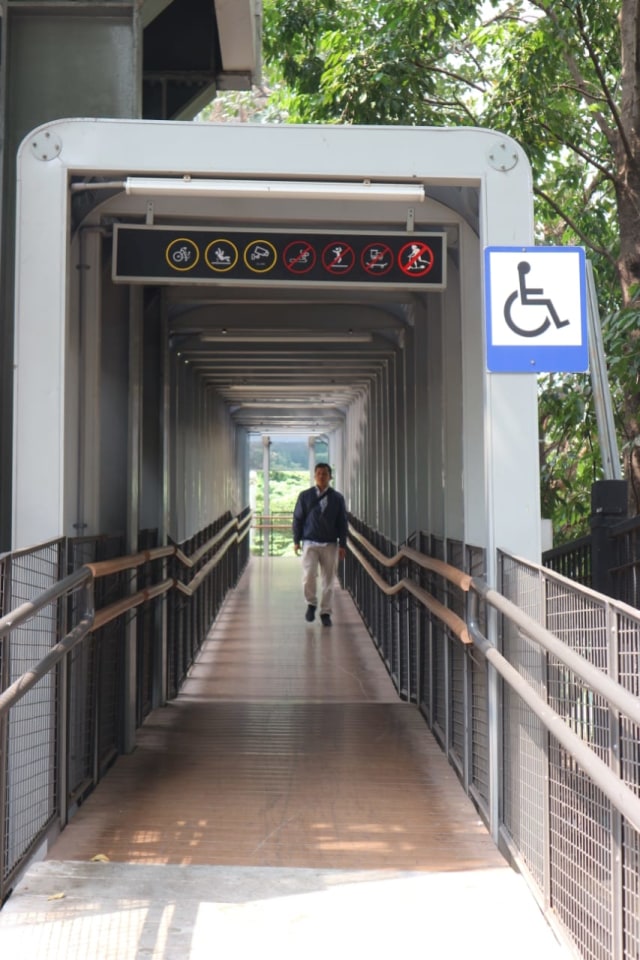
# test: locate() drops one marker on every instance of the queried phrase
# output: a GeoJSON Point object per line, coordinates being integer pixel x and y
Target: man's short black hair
{"type": "Point", "coordinates": [326, 465]}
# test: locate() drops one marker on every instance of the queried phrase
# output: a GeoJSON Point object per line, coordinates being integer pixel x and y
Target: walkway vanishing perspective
{"type": "Point", "coordinates": [287, 797]}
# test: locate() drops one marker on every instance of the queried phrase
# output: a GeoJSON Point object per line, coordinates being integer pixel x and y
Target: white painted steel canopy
{"type": "Point", "coordinates": [282, 356]}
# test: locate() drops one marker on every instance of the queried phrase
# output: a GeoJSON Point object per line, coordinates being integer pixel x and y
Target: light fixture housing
{"type": "Point", "coordinates": [255, 336]}
{"type": "Point", "coordinates": [275, 189]}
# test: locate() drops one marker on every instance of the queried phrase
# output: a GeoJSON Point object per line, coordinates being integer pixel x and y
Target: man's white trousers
{"type": "Point", "coordinates": [325, 559]}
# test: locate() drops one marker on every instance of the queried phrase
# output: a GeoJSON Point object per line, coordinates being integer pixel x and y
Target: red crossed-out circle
{"type": "Point", "coordinates": [377, 259]}
{"type": "Point", "coordinates": [338, 258]}
{"type": "Point", "coordinates": [416, 259]}
{"type": "Point", "coordinates": [299, 256]}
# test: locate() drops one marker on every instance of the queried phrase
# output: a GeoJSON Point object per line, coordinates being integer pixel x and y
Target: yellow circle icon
{"type": "Point", "coordinates": [221, 255]}
{"type": "Point", "coordinates": [182, 254]}
{"type": "Point", "coordinates": [260, 256]}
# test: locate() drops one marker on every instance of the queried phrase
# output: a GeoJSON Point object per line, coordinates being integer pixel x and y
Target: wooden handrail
{"type": "Point", "coordinates": [91, 621]}
{"type": "Point", "coordinates": [190, 588]}
{"type": "Point", "coordinates": [446, 570]}
{"type": "Point", "coordinates": [455, 623]}
{"type": "Point", "coordinates": [105, 568]}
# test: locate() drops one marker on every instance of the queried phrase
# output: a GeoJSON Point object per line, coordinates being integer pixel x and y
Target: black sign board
{"type": "Point", "coordinates": [148, 254]}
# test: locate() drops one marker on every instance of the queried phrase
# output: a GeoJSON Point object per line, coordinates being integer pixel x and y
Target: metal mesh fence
{"type": "Point", "coordinates": [479, 731]}
{"type": "Point", "coordinates": [30, 782]}
{"type": "Point", "coordinates": [524, 756]}
{"type": "Point", "coordinates": [89, 696]}
{"type": "Point", "coordinates": [630, 893]}
{"type": "Point", "coordinates": [475, 565]}
{"type": "Point", "coordinates": [580, 855]}
{"type": "Point", "coordinates": [573, 846]}
{"type": "Point", "coordinates": [593, 853]}
{"type": "Point", "coordinates": [35, 759]}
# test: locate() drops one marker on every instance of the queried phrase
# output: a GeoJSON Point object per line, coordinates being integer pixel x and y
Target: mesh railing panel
{"type": "Point", "coordinates": [631, 893]}
{"type": "Point", "coordinates": [30, 800]}
{"type": "Point", "coordinates": [580, 856]}
{"type": "Point", "coordinates": [594, 881]}
{"type": "Point", "coordinates": [479, 729]}
{"type": "Point", "coordinates": [579, 852]}
{"type": "Point", "coordinates": [579, 621]}
{"type": "Point", "coordinates": [439, 678]}
{"type": "Point", "coordinates": [458, 707]}
{"type": "Point", "coordinates": [524, 759]}
{"type": "Point", "coordinates": [82, 700]}
{"type": "Point", "coordinates": [31, 748]}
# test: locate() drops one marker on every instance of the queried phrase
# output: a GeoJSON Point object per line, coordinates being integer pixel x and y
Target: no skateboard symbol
{"type": "Point", "coordinates": [377, 259]}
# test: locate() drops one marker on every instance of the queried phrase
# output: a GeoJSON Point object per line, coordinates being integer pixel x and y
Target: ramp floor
{"type": "Point", "coordinates": [286, 793]}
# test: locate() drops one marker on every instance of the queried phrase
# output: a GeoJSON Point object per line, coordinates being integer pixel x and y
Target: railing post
{"type": "Point", "coordinates": [617, 850]}
{"type": "Point", "coordinates": [494, 723]}
{"type": "Point", "coordinates": [4, 751]}
{"type": "Point", "coordinates": [608, 507]}
{"type": "Point", "coordinates": [266, 510]}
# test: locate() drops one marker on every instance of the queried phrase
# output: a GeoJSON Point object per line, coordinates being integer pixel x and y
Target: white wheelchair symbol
{"type": "Point", "coordinates": [531, 297]}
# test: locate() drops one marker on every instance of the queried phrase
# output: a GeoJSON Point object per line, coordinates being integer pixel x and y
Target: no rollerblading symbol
{"type": "Point", "coordinates": [535, 299]}
{"type": "Point", "coordinates": [338, 258]}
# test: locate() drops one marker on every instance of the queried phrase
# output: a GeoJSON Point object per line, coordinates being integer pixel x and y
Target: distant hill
{"type": "Point", "coordinates": [285, 454]}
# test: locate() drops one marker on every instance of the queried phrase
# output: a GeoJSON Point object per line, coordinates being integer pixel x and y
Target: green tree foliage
{"type": "Point", "coordinates": [560, 76]}
{"type": "Point", "coordinates": [284, 487]}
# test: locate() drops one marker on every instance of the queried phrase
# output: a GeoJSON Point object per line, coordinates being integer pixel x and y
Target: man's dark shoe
{"type": "Point", "coordinates": [326, 619]}
{"type": "Point", "coordinates": [310, 614]}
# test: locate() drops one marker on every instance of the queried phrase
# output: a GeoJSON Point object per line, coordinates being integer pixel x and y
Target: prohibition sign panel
{"type": "Point", "coordinates": [536, 309]}
{"type": "Point", "coordinates": [221, 254]}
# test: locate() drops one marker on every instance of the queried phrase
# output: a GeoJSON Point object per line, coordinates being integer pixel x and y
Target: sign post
{"type": "Point", "coordinates": [536, 316]}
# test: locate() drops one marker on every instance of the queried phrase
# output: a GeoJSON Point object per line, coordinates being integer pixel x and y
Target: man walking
{"type": "Point", "coordinates": [320, 527]}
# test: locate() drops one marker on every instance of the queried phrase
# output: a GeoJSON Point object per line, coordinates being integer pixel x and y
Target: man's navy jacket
{"type": "Point", "coordinates": [311, 522]}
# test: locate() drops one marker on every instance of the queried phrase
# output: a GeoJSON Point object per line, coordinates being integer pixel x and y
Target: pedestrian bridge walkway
{"type": "Point", "coordinates": [286, 802]}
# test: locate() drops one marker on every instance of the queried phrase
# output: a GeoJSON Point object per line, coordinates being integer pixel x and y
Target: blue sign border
{"type": "Point", "coordinates": [532, 358]}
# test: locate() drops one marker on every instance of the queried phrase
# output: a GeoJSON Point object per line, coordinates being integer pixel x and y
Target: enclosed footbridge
{"type": "Point", "coordinates": [467, 729]}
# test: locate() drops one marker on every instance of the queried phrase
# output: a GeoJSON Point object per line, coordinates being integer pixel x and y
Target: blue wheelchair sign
{"type": "Point", "coordinates": [536, 309]}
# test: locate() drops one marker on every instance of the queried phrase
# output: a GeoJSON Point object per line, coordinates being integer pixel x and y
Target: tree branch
{"type": "Point", "coordinates": [583, 85]}
{"type": "Point", "coordinates": [574, 226]}
{"type": "Point", "coordinates": [580, 152]}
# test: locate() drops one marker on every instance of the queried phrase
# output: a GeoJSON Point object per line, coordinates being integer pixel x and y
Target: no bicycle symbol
{"type": "Point", "coordinates": [535, 299]}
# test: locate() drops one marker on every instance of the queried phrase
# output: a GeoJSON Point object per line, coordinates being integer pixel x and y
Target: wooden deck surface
{"type": "Point", "coordinates": [288, 747]}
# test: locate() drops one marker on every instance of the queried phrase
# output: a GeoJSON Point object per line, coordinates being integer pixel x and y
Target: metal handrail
{"type": "Point", "coordinates": [81, 578]}
{"type": "Point", "coordinates": [455, 623]}
{"type": "Point", "coordinates": [600, 682]}
{"type": "Point", "coordinates": [259, 518]}
{"type": "Point", "coordinates": [26, 610]}
{"type": "Point", "coordinates": [621, 796]}
{"type": "Point", "coordinates": [91, 620]}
